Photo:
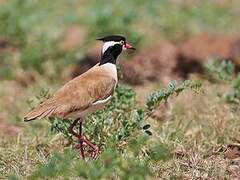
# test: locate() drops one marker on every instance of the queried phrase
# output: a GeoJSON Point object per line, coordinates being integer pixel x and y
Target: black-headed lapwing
{"type": "Point", "coordinates": [86, 93]}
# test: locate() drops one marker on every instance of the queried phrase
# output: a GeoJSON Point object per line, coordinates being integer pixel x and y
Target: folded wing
{"type": "Point", "coordinates": [78, 94]}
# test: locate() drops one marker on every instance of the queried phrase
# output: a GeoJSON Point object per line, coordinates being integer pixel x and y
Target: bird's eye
{"type": "Point", "coordinates": [122, 42]}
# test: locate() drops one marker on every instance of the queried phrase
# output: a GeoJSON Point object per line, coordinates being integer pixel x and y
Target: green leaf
{"type": "Point", "coordinates": [148, 132]}
{"type": "Point", "coordinates": [147, 126]}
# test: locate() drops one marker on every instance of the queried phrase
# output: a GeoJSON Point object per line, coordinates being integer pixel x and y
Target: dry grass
{"type": "Point", "coordinates": [198, 127]}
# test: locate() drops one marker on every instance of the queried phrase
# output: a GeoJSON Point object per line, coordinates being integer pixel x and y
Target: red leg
{"type": "Point", "coordinates": [81, 142]}
{"type": "Point", "coordinates": [72, 126]}
{"type": "Point", "coordinates": [94, 153]}
{"type": "Point", "coordinates": [78, 135]}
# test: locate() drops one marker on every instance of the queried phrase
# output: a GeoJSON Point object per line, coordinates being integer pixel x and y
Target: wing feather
{"type": "Point", "coordinates": [77, 94]}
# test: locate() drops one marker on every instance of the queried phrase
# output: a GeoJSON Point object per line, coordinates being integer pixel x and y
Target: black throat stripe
{"type": "Point", "coordinates": [111, 54]}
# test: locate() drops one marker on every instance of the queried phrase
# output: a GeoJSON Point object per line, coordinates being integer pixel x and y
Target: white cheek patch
{"type": "Point", "coordinates": [108, 44]}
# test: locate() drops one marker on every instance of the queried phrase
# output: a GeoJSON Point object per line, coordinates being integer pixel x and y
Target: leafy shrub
{"type": "Point", "coordinates": [158, 96]}
{"type": "Point", "coordinates": [123, 117]}
{"type": "Point", "coordinates": [224, 72]}
{"type": "Point", "coordinates": [219, 71]}
{"type": "Point", "coordinates": [233, 96]}
{"type": "Point", "coordinates": [123, 133]}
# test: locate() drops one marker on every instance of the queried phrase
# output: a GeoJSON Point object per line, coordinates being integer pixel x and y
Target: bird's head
{"type": "Point", "coordinates": [115, 43]}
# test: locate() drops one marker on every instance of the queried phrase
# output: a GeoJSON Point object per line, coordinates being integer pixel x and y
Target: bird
{"type": "Point", "coordinates": [86, 93]}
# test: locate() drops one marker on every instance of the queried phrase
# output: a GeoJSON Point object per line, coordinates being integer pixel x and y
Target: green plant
{"type": "Point", "coordinates": [233, 96]}
{"type": "Point", "coordinates": [163, 94]}
{"type": "Point", "coordinates": [123, 117]}
{"type": "Point", "coordinates": [123, 133]}
{"type": "Point", "coordinates": [133, 165]}
{"type": "Point", "coordinates": [223, 71]}
{"type": "Point", "coordinates": [218, 71]}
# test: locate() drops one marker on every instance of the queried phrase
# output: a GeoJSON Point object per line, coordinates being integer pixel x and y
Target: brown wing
{"type": "Point", "coordinates": [82, 93]}
{"type": "Point", "coordinates": [77, 94]}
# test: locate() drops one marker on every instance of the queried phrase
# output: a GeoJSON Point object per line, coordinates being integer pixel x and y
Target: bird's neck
{"type": "Point", "coordinates": [108, 58]}
{"type": "Point", "coordinates": [110, 55]}
{"type": "Point", "coordinates": [110, 69]}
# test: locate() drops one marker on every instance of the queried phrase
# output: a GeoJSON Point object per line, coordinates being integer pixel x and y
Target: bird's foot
{"type": "Point", "coordinates": [94, 154]}
{"type": "Point", "coordinates": [88, 149]}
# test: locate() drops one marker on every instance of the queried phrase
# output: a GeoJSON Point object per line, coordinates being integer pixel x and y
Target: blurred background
{"type": "Point", "coordinates": [43, 44]}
